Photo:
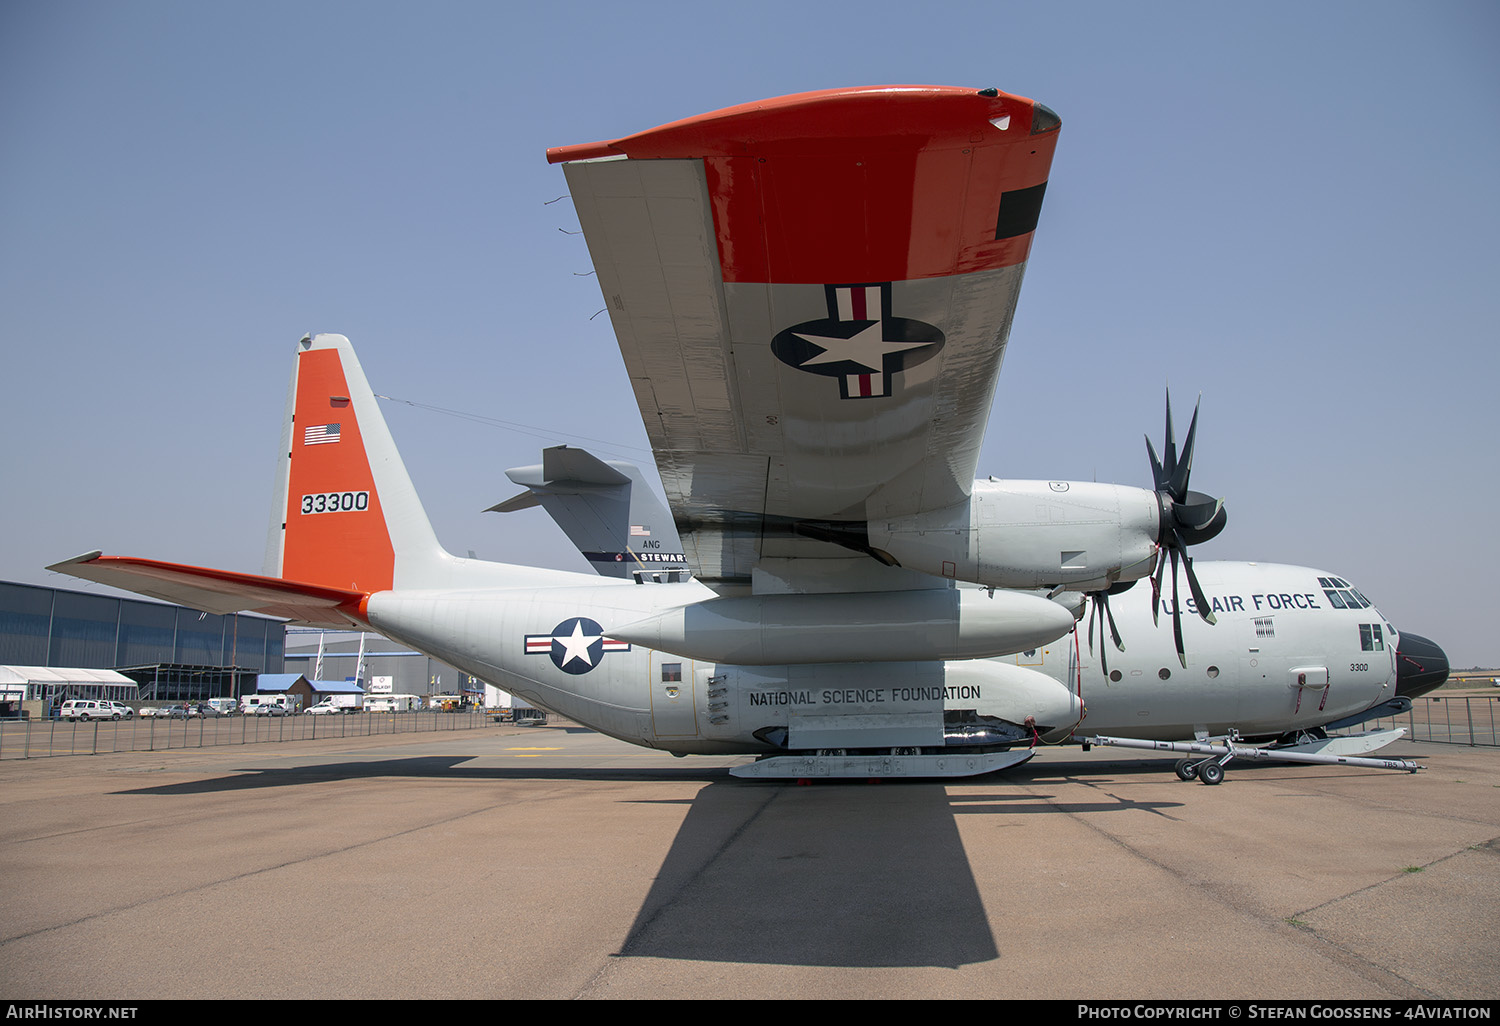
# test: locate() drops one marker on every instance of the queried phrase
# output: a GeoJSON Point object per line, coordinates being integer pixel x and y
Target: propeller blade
{"type": "Point", "coordinates": [1177, 614]}
{"type": "Point", "coordinates": [1161, 563]}
{"type": "Point", "coordinates": [1158, 472]}
{"type": "Point", "coordinates": [1114, 632]}
{"type": "Point", "coordinates": [1170, 465]}
{"type": "Point", "coordinates": [1205, 610]}
{"type": "Point", "coordinates": [1179, 483]}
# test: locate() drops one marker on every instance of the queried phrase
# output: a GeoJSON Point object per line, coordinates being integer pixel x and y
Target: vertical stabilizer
{"type": "Point", "coordinates": [347, 514]}
{"type": "Point", "coordinates": [606, 509]}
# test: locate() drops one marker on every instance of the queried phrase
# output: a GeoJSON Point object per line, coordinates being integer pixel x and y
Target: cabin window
{"type": "Point", "coordinates": [671, 672]}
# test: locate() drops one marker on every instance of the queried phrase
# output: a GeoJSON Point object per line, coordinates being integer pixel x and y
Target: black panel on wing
{"type": "Point", "coordinates": [1020, 209]}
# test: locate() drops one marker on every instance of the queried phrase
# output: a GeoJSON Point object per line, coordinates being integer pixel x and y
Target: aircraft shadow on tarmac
{"type": "Point", "coordinates": [836, 874]}
{"type": "Point", "coordinates": [431, 766]}
{"type": "Point", "coordinates": [455, 768]}
{"type": "Point", "coordinates": [830, 876]}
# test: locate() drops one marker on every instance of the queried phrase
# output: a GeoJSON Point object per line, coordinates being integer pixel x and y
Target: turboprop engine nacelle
{"type": "Point", "coordinates": [1031, 534]}
{"type": "Point", "coordinates": [944, 623]}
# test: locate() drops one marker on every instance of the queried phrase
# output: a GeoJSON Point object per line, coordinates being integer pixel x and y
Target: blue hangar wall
{"type": "Point", "coordinates": [57, 627]}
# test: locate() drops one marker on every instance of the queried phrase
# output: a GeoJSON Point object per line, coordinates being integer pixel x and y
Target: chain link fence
{"type": "Point", "coordinates": [1457, 720]}
{"type": "Point", "coordinates": [31, 739]}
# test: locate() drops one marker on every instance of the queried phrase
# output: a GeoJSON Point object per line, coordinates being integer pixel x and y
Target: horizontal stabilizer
{"type": "Point", "coordinates": [561, 463]}
{"type": "Point", "coordinates": [525, 500]}
{"type": "Point", "coordinates": [218, 591]}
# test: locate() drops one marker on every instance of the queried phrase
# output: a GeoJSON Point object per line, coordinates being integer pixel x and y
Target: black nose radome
{"type": "Point", "coordinates": [1420, 666]}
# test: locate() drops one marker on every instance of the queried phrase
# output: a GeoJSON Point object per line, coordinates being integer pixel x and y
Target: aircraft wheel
{"type": "Point", "coordinates": [1186, 769]}
{"type": "Point", "coordinates": [1211, 773]}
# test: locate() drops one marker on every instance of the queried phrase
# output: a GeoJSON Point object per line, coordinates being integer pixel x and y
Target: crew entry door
{"type": "Point", "coordinates": [674, 705]}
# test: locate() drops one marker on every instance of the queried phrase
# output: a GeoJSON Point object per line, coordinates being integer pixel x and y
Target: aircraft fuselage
{"type": "Point", "coordinates": [1281, 657]}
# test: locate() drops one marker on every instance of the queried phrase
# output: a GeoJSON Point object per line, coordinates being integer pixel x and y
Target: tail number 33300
{"type": "Point", "coordinates": [336, 502]}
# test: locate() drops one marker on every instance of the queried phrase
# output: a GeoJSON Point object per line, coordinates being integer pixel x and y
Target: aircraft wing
{"type": "Point", "coordinates": [812, 295]}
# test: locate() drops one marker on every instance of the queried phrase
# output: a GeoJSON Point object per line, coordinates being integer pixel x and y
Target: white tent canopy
{"type": "Point", "coordinates": [34, 681]}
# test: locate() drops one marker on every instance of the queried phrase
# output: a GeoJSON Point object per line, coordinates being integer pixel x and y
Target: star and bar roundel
{"type": "Point", "coordinates": [860, 343]}
{"type": "Point", "coordinates": [576, 645]}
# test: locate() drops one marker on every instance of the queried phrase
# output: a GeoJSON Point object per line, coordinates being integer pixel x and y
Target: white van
{"type": "Point", "coordinates": [250, 705]}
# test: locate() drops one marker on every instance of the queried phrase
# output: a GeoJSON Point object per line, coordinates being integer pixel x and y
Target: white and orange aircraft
{"type": "Point", "coordinates": [813, 296]}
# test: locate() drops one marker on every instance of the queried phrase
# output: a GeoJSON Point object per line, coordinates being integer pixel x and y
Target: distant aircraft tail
{"type": "Point", "coordinates": [346, 513]}
{"type": "Point", "coordinates": [607, 510]}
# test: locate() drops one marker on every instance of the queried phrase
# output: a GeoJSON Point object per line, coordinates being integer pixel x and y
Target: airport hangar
{"type": "Point", "coordinates": [177, 654]}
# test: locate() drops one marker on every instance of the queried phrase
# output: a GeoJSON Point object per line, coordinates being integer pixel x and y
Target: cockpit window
{"type": "Point", "coordinates": [1343, 596]}
{"type": "Point", "coordinates": [1370, 639]}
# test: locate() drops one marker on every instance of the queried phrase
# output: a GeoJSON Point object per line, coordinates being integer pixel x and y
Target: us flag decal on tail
{"type": "Point", "coordinates": [321, 434]}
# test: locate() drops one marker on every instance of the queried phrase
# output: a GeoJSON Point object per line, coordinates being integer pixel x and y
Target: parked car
{"type": "Point", "coordinates": [171, 712]}
{"type": "Point", "coordinates": [88, 709]}
{"type": "Point", "coordinates": [325, 709]}
{"type": "Point", "coordinates": [124, 710]}
{"type": "Point", "coordinates": [270, 709]}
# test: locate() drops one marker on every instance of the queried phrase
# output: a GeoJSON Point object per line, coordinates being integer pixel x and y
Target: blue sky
{"type": "Point", "coordinates": [1290, 208]}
